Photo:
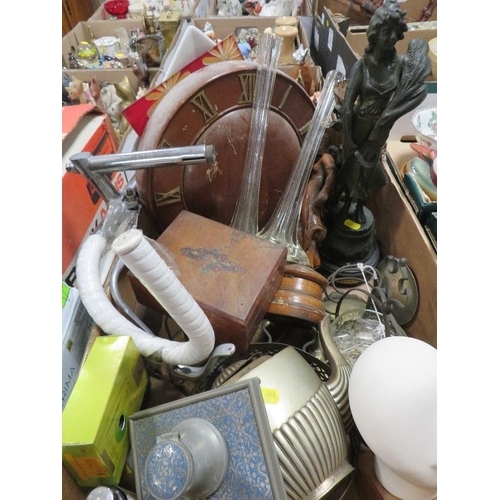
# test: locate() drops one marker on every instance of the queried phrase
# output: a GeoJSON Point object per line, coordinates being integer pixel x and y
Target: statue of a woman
{"type": "Point", "coordinates": [382, 87]}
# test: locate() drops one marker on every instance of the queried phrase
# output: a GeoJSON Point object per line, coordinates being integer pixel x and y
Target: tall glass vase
{"type": "Point", "coordinates": [282, 227]}
{"type": "Point", "coordinates": [245, 217]}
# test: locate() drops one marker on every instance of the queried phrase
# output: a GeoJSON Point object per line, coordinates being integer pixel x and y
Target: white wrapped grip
{"type": "Point", "coordinates": [144, 262]}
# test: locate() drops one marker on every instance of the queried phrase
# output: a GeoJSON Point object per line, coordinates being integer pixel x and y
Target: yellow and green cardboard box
{"type": "Point", "coordinates": [95, 420]}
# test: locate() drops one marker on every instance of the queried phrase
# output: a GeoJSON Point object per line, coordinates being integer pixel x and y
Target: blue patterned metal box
{"type": "Point", "coordinates": [239, 414]}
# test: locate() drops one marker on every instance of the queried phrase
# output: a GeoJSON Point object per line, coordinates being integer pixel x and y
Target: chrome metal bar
{"type": "Point", "coordinates": [143, 159]}
{"type": "Point", "coordinates": [79, 163]}
{"type": "Point", "coordinates": [95, 167]}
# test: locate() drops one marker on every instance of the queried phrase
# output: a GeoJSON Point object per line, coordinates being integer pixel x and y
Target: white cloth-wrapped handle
{"type": "Point", "coordinates": [152, 271]}
{"type": "Point", "coordinates": [140, 257]}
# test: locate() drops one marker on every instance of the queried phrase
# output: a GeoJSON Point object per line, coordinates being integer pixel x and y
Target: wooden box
{"type": "Point", "coordinates": [232, 275]}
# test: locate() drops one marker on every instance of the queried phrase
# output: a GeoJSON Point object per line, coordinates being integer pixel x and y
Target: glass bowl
{"type": "Point", "coordinates": [117, 8]}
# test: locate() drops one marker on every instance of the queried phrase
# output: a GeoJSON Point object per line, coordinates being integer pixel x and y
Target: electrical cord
{"type": "Point", "coordinates": [352, 276]}
{"type": "Point", "coordinates": [385, 307]}
{"type": "Point", "coordinates": [351, 272]}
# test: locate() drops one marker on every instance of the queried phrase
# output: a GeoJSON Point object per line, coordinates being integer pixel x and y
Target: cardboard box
{"type": "Point", "coordinates": [330, 44]}
{"type": "Point", "coordinates": [101, 15]}
{"type": "Point", "coordinates": [225, 26]}
{"type": "Point", "coordinates": [400, 233]}
{"type": "Point", "coordinates": [84, 128]}
{"type": "Point", "coordinates": [95, 426]}
{"type": "Point", "coordinates": [77, 328]}
{"type": "Point", "coordinates": [362, 15]}
{"type": "Point", "coordinates": [303, 11]}
{"type": "Point", "coordinates": [399, 153]}
{"type": "Point", "coordinates": [356, 38]}
{"type": "Point", "coordinates": [398, 228]}
{"type": "Point", "coordinates": [329, 48]}
{"type": "Point", "coordinates": [199, 8]}
{"type": "Point", "coordinates": [332, 50]}
{"type": "Point", "coordinates": [90, 30]}
{"type": "Point", "coordinates": [104, 76]}
{"type": "Point", "coordinates": [169, 22]}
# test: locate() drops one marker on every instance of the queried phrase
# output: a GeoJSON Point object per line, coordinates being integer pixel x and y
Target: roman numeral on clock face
{"type": "Point", "coordinates": [210, 112]}
{"type": "Point", "coordinates": [202, 102]}
{"type": "Point", "coordinates": [285, 97]}
{"type": "Point", "coordinates": [173, 196]}
{"type": "Point", "coordinates": [304, 128]}
{"type": "Point", "coordinates": [247, 82]}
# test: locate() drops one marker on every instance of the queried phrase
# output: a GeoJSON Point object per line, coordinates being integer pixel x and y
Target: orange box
{"type": "Point", "coordinates": [84, 128]}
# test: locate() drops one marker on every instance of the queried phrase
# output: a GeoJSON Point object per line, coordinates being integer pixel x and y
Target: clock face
{"type": "Point", "coordinates": [213, 106]}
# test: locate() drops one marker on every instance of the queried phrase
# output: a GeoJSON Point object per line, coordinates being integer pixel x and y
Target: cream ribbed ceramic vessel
{"type": "Point", "coordinates": [307, 426]}
{"type": "Point", "coordinates": [338, 383]}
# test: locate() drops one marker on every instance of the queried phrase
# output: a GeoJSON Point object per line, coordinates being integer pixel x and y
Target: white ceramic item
{"type": "Point", "coordinates": [136, 10]}
{"type": "Point", "coordinates": [393, 398]}
{"type": "Point", "coordinates": [425, 122]}
{"type": "Point", "coordinates": [107, 45]}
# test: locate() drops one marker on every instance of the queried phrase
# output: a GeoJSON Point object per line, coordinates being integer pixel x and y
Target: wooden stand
{"type": "Point", "coordinates": [368, 484]}
{"type": "Point", "coordinates": [300, 295]}
{"type": "Point", "coordinates": [289, 33]}
{"type": "Point", "coordinates": [286, 21]}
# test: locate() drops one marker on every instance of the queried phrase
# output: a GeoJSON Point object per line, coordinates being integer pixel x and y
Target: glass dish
{"type": "Point", "coordinates": [354, 330]}
{"type": "Point", "coordinates": [117, 8]}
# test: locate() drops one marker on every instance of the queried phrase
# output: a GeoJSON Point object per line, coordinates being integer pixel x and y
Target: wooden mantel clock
{"type": "Point", "coordinates": [213, 106]}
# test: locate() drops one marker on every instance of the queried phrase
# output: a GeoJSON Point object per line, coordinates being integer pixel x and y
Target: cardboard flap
{"type": "Point", "coordinates": [71, 116]}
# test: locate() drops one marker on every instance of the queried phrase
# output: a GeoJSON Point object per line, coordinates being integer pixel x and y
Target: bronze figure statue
{"type": "Point", "coordinates": [382, 87]}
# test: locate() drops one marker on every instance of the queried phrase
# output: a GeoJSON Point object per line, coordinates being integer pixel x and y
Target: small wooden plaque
{"type": "Point", "coordinates": [232, 275]}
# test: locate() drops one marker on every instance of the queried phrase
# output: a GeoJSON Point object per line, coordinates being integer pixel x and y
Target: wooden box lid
{"type": "Point", "coordinates": [233, 275]}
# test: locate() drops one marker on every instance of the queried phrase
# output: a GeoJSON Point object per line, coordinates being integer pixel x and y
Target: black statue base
{"type": "Point", "coordinates": [348, 242]}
